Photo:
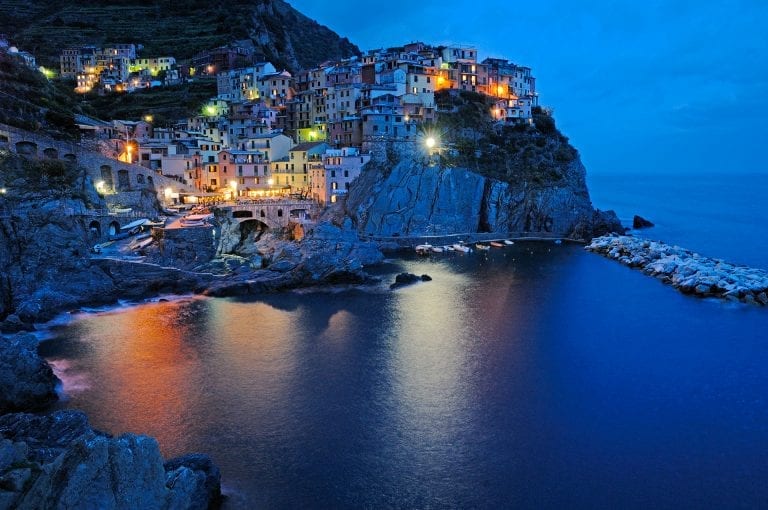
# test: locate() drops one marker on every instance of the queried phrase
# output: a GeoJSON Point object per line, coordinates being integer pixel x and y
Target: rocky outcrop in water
{"type": "Point", "coordinates": [405, 279]}
{"type": "Point", "coordinates": [640, 222]}
{"type": "Point", "coordinates": [26, 380]}
{"type": "Point", "coordinates": [59, 461]}
{"type": "Point", "coordinates": [328, 254]}
{"type": "Point", "coordinates": [687, 271]}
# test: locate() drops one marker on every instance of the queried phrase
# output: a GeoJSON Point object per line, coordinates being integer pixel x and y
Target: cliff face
{"type": "Point", "coordinates": [413, 198]}
{"type": "Point", "coordinates": [485, 177]}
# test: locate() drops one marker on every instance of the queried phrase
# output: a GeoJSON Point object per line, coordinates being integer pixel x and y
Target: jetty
{"type": "Point", "coordinates": [685, 270]}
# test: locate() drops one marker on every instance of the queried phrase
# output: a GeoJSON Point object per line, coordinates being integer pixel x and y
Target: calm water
{"type": "Point", "coordinates": [537, 376]}
{"type": "Point", "coordinates": [719, 216]}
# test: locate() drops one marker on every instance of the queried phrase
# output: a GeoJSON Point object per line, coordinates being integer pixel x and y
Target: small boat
{"type": "Point", "coordinates": [448, 248]}
{"type": "Point", "coordinates": [482, 246]}
{"type": "Point", "coordinates": [437, 249]}
{"type": "Point", "coordinates": [423, 249]}
{"type": "Point", "coordinates": [496, 244]}
{"type": "Point", "coordinates": [461, 248]}
{"type": "Point", "coordinates": [508, 242]}
{"type": "Point", "coordinates": [558, 241]}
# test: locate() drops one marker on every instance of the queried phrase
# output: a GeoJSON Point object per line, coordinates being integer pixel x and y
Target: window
{"type": "Point", "coordinates": [346, 173]}
{"type": "Point", "coordinates": [333, 173]}
{"type": "Point", "coordinates": [334, 185]}
{"type": "Point", "coordinates": [213, 182]}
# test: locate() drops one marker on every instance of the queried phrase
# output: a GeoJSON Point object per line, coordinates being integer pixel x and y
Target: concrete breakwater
{"type": "Point", "coordinates": [685, 270]}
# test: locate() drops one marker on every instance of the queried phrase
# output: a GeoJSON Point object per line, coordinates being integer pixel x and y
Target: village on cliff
{"type": "Point", "coordinates": [270, 133]}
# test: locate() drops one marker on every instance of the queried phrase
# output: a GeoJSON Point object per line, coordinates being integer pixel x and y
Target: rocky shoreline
{"type": "Point", "coordinates": [58, 460]}
{"type": "Point", "coordinates": [685, 270]}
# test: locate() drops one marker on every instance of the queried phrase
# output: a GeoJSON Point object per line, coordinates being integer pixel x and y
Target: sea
{"type": "Point", "coordinates": [533, 376]}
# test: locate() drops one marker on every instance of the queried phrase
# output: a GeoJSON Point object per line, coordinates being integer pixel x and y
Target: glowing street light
{"type": "Point", "coordinates": [233, 185]}
{"type": "Point", "coordinates": [3, 191]}
{"type": "Point", "coordinates": [100, 186]}
{"type": "Point", "coordinates": [270, 182]}
{"type": "Point", "coordinates": [430, 142]}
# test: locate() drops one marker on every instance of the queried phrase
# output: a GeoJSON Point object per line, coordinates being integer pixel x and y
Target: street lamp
{"type": "Point", "coordinates": [430, 142]}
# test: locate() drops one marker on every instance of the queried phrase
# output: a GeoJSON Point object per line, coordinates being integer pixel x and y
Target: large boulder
{"type": "Point", "coordinates": [26, 380]}
{"type": "Point", "coordinates": [640, 222]}
{"type": "Point", "coordinates": [59, 461]}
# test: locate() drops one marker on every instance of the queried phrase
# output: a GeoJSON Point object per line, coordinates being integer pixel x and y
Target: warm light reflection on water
{"type": "Point", "coordinates": [476, 390]}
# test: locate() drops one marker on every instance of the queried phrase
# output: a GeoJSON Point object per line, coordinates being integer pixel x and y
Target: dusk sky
{"type": "Point", "coordinates": [653, 86]}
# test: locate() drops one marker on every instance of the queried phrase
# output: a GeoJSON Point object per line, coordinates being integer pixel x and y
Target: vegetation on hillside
{"type": "Point", "coordinates": [165, 104]}
{"type": "Point", "coordinates": [538, 154]}
{"type": "Point", "coordinates": [180, 28]}
{"type": "Point", "coordinates": [29, 101]}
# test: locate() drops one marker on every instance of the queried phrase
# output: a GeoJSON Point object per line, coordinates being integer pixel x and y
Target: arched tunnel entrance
{"type": "Point", "coordinates": [95, 229]}
{"type": "Point", "coordinates": [114, 228]}
{"type": "Point", "coordinates": [250, 231]}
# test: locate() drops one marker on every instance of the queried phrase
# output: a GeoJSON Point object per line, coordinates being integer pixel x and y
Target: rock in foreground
{"type": "Point", "coordinates": [26, 380]}
{"type": "Point", "coordinates": [688, 272]}
{"type": "Point", "coordinates": [58, 461]}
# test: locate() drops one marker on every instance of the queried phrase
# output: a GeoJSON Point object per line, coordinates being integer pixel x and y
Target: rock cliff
{"type": "Point", "coordinates": [483, 177]}
{"type": "Point", "coordinates": [413, 198]}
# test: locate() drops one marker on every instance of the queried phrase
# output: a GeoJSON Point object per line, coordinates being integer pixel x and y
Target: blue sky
{"type": "Point", "coordinates": [653, 86]}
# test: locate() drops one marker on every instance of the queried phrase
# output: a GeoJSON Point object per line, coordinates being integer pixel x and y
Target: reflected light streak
{"type": "Point", "coordinates": [430, 358]}
{"type": "Point", "coordinates": [151, 373]}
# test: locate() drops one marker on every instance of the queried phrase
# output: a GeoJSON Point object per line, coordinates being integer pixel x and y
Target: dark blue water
{"type": "Point", "coordinates": [721, 216]}
{"type": "Point", "coordinates": [537, 376]}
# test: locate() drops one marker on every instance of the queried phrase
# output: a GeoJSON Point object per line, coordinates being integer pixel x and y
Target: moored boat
{"type": "Point", "coordinates": [482, 246]}
{"type": "Point", "coordinates": [508, 242]}
{"type": "Point", "coordinates": [437, 249]}
{"type": "Point", "coordinates": [423, 249]}
{"type": "Point", "coordinates": [461, 248]}
{"type": "Point", "coordinates": [496, 244]}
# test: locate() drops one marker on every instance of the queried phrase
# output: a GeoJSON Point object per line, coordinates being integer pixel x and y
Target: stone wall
{"type": "Point", "coordinates": [115, 175]}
